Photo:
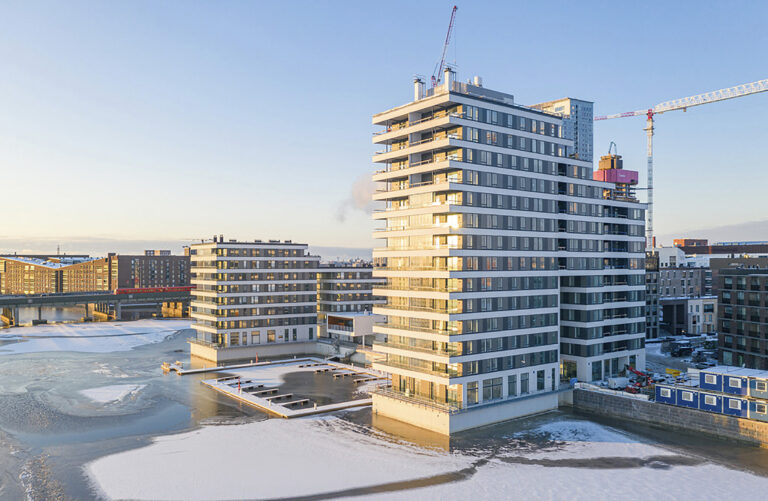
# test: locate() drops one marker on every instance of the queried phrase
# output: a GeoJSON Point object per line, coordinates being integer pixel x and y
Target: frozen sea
{"type": "Point", "coordinates": [95, 418]}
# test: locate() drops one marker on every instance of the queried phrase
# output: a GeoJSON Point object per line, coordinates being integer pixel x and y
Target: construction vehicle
{"type": "Point", "coordinates": [643, 380]}
{"type": "Point", "coordinates": [680, 104]}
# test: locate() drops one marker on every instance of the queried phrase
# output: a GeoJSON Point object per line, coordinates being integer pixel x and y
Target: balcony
{"type": "Point", "coordinates": [447, 373]}
{"type": "Point", "coordinates": [451, 352]}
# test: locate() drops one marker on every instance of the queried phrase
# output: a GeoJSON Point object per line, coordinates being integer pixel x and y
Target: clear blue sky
{"type": "Point", "coordinates": [146, 120]}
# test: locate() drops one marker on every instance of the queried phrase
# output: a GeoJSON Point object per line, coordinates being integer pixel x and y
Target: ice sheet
{"type": "Point", "coordinates": [285, 458]}
{"type": "Point", "coordinates": [101, 337]}
{"type": "Point", "coordinates": [113, 393]}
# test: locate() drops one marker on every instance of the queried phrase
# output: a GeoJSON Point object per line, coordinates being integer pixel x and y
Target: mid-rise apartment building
{"type": "Point", "coordinates": [743, 305]}
{"type": "Point", "coordinates": [153, 269]}
{"type": "Point", "coordinates": [250, 296]}
{"type": "Point", "coordinates": [684, 282]}
{"type": "Point", "coordinates": [345, 300]}
{"type": "Point", "coordinates": [506, 264]}
{"type": "Point", "coordinates": [64, 274]}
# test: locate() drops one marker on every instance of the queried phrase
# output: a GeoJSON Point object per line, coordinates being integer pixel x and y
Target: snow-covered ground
{"type": "Point", "coordinates": [112, 393]}
{"type": "Point", "coordinates": [288, 458]}
{"type": "Point", "coordinates": [269, 459]}
{"type": "Point", "coordinates": [99, 337]}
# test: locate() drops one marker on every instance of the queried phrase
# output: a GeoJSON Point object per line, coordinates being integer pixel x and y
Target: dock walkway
{"type": "Point", "coordinates": [250, 391]}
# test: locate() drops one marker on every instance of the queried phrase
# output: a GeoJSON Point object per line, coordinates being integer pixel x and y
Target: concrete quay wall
{"type": "Point", "coordinates": [670, 416]}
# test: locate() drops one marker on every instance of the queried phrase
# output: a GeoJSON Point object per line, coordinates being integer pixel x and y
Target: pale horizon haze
{"type": "Point", "coordinates": [131, 125]}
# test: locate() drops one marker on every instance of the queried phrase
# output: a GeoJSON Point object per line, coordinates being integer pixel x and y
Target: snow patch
{"type": "Point", "coordinates": [269, 459]}
{"type": "Point", "coordinates": [112, 393]}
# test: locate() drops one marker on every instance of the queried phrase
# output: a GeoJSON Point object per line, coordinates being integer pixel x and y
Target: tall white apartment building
{"type": "Point", "coordinates": [252, 299]}
{"type": "Point", "coordinates": [487, 225]}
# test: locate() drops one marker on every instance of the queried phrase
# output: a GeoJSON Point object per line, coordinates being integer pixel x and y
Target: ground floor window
{"type": "Point", "coordinates": [271, 336]}
{"type": "Point", "coordinates": [294, 335]}
{"type": "Point", "coordinates": [568, 369]}
{"type": "Point", "coordinates": [540, 379]}
{"type": "Point", "coordinates": [597, 375]}
{"type": "Point", "coordinates": [512, 385]}
{"type": "Point", "coordinates": [311, 333]}
{"type": "Point", "coordinates": [665, 392]}
{"type": "Point", "coordinates": [492, 389]}
{"type": "Point", "coordinates": [472, 393]}
{"type": "Point", "coordinates": [524, 384]}
{"type": "Point", "coordinates": [234, 339]}
{"type": "Point", "coordinates": [255, 338]}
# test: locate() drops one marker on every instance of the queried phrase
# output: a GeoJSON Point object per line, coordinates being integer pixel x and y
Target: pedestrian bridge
{"type": "Point", "coordinates": [104, 301]}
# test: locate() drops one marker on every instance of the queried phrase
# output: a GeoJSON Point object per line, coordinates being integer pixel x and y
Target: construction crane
{"type": "Point", "coordinates": [438, 73]}
{"type": "Point", "coordinates": [680, 104]}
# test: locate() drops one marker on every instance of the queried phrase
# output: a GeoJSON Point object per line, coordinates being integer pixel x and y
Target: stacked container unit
{"type": "Point", "coordinates": [725, 390]}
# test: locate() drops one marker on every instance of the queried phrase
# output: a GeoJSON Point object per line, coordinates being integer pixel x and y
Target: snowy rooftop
{"type": "Point", "coordinates": [60, 262]}
{"type": "Point", "coordinates": [737, 371]}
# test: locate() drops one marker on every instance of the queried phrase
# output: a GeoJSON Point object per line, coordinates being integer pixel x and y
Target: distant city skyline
{"type": "Point", "coordinates": [131, 123]}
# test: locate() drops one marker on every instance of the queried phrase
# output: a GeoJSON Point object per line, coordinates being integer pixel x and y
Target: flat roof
{"type": "Point", "coordinates": [736, 371]}
{"type": "Point", "coordinates": [64, 261]}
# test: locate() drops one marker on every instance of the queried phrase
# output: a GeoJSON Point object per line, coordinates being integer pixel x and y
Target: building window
{"type": "Point", "coordinates": [270, 336]}
{"type": "Point", "coordinates": [761, 408]}
{"type": "Point", "coordinates": [665, 392]}
{"type": "Point", "coordinates": [524, 384]}
{"type": "Point", "coordinates": [710, 400]}
{"type": "Point", "coordinates": [734, 404]}
{"type": "Point", "coordinates": [687, 396]}
{"type": "Point", "coordinates": [760, 386]}
{"type": "Point", "coordinates": [512, 385]}
{"type": "Point", "coordinates": [710, 379]}
{"type": "Point", "coordinates": [311, 333]}
{"type": "Point", "coordinates": [540, 377]}
{"type": "Point", "coordinates": [472, 393]}
{"type": "Point", "coordinates": [734, 382]}
{"type": "Point", "coordinates": [492, 389]}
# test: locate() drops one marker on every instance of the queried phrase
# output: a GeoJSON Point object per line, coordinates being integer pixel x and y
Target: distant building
{"type": "Point", "coordinates": [670, 257]}
{"type": "Point", "coordinates": [683, 282]}
{"type": "Point", "coordinates": [251, 297]}
{"type": "Point", "coordinates": [727, 250]}
{"type": "Point", "coordinates": [49, 275]}
{"type": "Point", "coordinates": [577, 124]}
{"type": "Point", "coordinates": [743, 333]}
{"type": "Point", "coordinates": [64, 274]}
{"type": "Point", "coordinates": [153, 252]}
{"type": "Point", "coordinates": [690, 316]}
{"type": "Point", "coordinates": [148, 271]}
{"type": "Point", "coordinates": [651, 295]}
{"type": "Point", "coordinates": [689, 242]}
{"type": "Point", "coordinates": [344, 299]}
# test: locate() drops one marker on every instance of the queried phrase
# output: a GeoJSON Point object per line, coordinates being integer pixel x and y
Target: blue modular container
{"type": "Point", "coordinates": [687, 398]}
{"type": "Point", "coordinates": [711, 381]}
{"type": "Point", "coordinates": [666, 394]}
{"type": "Point", "coordinates": [711, 402]}
{"type": "Point", "coordinates": [758, 388]}
{"type": "Point", "coordinates": [735, 406]}
{"type": "Point", "coordinates": [736, 385]}
{"type": "Point", "coordinates": [758, 410]}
